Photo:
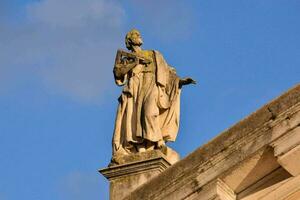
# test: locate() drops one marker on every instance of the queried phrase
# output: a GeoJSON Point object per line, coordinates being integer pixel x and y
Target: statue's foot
{"type": "Point", "coordinates": [141, 149]}
{"type": "Point", "coordinates": [161, 144]}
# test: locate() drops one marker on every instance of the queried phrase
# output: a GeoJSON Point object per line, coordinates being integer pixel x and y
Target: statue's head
{"type": "Point", "coordinates": [133, 38]}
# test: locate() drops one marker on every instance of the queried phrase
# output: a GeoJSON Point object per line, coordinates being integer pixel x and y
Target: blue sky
{"type": "Point", "coordinates": [58, 97]}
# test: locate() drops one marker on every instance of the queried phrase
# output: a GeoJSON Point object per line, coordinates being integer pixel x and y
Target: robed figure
{"type": "Point", "coordinates": [149, 106]}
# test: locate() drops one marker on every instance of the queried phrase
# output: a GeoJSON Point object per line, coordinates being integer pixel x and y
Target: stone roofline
{"type": "Point", "coordinates": [230, 166]}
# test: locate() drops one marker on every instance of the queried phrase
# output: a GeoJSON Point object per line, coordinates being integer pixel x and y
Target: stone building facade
{"type": "Point", "coordinates": [257, 158]}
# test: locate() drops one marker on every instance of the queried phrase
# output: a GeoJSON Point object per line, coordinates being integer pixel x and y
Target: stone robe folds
{"type": "Point", "coordinates": [148, 106]}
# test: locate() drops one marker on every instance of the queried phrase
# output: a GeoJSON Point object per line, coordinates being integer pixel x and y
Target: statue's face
{"type": "Point", "coordinates": [136, 38]}
{"type": "Point", "coordinates": [133, 38]}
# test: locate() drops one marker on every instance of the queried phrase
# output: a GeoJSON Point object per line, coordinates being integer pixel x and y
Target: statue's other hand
{"type": "Point", "coordinates": [186, 81]}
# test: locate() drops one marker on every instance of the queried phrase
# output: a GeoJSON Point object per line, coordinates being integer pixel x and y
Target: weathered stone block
{"type": "Point", "coordinates": [133, 170]}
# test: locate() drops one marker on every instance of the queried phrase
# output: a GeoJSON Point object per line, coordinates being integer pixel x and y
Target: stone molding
{"type": "Point", "coordinates": [134, 168]}
{"type": "Point", "coordinates": [264, 129]}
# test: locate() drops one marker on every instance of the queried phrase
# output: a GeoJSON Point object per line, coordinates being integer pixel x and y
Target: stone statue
{"type": "Point", "coordinates": [148, 111]}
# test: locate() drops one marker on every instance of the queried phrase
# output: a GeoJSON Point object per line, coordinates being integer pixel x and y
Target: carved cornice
{"type": "Point", "coordinates": [128, 169]}
{"type": "Point", "coordinates": [257, 131]}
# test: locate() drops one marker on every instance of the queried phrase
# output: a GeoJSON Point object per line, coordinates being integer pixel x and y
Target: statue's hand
{"type": "Point", "coordinates": [186, 81]}
{"type": "Point", "coordinates": [144, 61]}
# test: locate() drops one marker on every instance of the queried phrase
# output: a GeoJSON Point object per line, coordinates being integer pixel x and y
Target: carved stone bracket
{"type": "Point", "coordinates": [216, 190]}
{"type": "Point", "coordinates": [136, 170]}
{"type": "Point", "coordinates": [287, 143]}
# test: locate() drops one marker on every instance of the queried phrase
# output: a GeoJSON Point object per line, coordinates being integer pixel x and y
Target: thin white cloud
{"type": "Point", "coordinates": [80, 185]}
{"type": "Point", "coordinates": [77, 13]}
{"type": "Point", "coordinates": [81, 39]}
{"type": "Point", "coordinates": [168, 20]}
{"type": "Point", "coordinates": [70, 45]}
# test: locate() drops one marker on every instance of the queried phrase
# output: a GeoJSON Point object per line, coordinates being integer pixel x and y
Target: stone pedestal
{"type": "Point", "coordinates": [134, 170]}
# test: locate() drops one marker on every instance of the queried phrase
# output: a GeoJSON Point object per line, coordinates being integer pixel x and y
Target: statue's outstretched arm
{"type": "Point", "coordinates": [186, 81]}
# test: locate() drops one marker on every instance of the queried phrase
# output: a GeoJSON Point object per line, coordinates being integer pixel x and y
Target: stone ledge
{"type": "Point", "coordinates": [117, 171]}
{"type": "Point", "coordinates": [227, 150]}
